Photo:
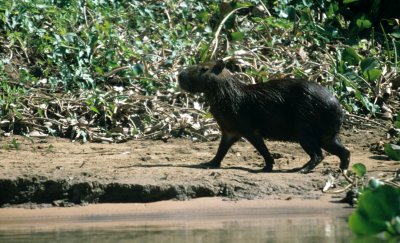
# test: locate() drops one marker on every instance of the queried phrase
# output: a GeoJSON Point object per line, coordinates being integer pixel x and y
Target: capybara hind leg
{"type": "Point", "coordinates": [227, 140]}
{"type": "Point", "coordinates": [258, 143]}
{"type": "Point", "coordinates": [335, 147]}
{"type": "Point", "coordinates": [313, 149]}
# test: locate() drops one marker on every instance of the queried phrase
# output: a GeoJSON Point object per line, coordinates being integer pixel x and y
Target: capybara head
{"type": "Point", "coordinates": [199, 78]}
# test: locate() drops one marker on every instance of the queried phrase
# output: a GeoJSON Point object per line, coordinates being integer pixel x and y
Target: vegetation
{"type": "Point", "coordinates": [106, 70]}
{"type": "Point", "coordinates": [378, 213]}
{"type": "Point", "coordinates": [377, 216]}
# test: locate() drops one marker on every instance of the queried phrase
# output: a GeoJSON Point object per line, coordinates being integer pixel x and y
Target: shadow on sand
{"type": "Point", "coordinates": [203, 166]}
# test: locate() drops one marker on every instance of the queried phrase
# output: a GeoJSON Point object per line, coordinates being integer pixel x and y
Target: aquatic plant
{"type": "Point", "coordinates": [378, 212]}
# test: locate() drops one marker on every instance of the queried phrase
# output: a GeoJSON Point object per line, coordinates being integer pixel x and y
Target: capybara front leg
{"type": "Point", "coordinates": [227, 140]}
{"type": "Point", "coordinates": [258, 143]}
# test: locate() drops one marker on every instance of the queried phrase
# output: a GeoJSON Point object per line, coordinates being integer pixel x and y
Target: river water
{"type": "Point", "coordinates": [122, 223]}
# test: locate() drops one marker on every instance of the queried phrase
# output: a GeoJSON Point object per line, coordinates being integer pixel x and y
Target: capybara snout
{"type": "Point", "coordinates": [195, 79]}
{"type": "Point", "coordinates": [293, 110]}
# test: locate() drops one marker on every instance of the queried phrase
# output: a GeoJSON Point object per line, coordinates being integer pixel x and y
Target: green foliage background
{"type": "Point", "coordinates": [107, 69]}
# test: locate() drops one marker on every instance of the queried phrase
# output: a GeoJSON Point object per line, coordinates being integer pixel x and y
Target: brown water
{"type": "Point", "coordinates": [202, 220]}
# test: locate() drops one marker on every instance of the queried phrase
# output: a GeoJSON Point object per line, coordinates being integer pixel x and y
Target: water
{"type": "Point", "coordinates": [278, 225]}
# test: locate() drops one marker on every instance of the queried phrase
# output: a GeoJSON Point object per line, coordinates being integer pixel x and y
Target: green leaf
{"type": "Point", "coordinates": [377, 209]}
{"type": "Point", "coordinates": [372, 74]}
{"type": "Point", "coordinates": [375, 183]}
{"type": "Point", "coordinates": [396, 225]}
{"type": "Point", "coordinates": [40, 113]}
{"type": "Point", "coordinates": [332, 10]}
{"type": "Point", "coordinates": [360, 225]}
{"type": "Point", "coordinates": [351, 56]}
{"type": "Point", "coordinates": [363, 23]}
{"type": "Point", "coordinates": [15, 144]}
{"type": "Point", "coordinates": [392, 151]}
{"type": "Point", "coordinates": [350, 1]}
{"type": "Point", "coordinates": [237, 36]}
{"type": "Point", "coordinates": [368, 64]}
{"type": "Point", "coordinates": [204, 16]}
{"type": "Point", "coordinates": [93, 108]}
{"type": "Point", "coordinates": [137, 69]}
{"type": "Point", "coordinates": [50, 148]}
{"type": "Point", "coordinates": [359, 169]}
{"type": "Point", "coordinates": [397, 122]}
{"type": "Point", "coordinates": [381, 204]}
{"type": "Point", "coordinates": [395, 34]}
{"type": "Point", "coordinates": [241, 5]}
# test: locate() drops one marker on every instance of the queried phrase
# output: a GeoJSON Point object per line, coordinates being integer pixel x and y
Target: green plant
{"type": "Point", "coordinates": [378, 204]}
{"type": "Point", "coordinates": [14, 144]}
{"type": "Point", "coordinates": [378, 212]}
{"type": "Point", "coordinates": [63, 60]}
{"type": "Point", "coordinates": [392, 148]}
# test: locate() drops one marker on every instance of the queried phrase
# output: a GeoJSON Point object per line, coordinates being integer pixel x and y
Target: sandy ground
{"type": "Point", "coordinates": [51, 169]}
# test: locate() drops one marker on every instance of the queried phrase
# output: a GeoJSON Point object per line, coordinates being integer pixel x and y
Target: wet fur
{"type": "Point", "coordinates": [284, 109]}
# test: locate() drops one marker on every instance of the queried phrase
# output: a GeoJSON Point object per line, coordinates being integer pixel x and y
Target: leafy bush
{"type": "Point", "coordinates": [70, 61]}
{"type": "Point", "coordinates": [378, 212]}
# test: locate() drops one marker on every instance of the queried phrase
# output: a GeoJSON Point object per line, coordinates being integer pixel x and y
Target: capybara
{"type": "Point", "coordinates": [293, 110]}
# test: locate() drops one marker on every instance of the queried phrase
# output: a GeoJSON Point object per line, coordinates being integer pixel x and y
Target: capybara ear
{"type": "Point", "coordinates": [218, 67]}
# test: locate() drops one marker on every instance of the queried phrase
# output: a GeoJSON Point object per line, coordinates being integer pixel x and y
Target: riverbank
{"type": "Point", "coordinates": [53, 171]}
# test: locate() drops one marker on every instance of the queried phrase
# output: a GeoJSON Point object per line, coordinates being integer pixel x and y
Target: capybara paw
{"type": "Point", "coordinates": [344, 166]}
{"type": "Point", "coordinates": [267, 168]}
{"type": "Point", "coordinates": [211, 164]}
{"type": "Point", "coordinates": [305, 170]}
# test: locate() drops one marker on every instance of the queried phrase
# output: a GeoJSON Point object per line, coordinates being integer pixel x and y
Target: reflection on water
{"type": "Point", "coordinates": [282, 229]}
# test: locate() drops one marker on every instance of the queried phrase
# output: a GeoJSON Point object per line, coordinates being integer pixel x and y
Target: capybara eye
{"type": "Point", "coordinates": [203, 69]}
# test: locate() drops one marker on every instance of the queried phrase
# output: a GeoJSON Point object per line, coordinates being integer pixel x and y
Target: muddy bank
{"type": "Point", "coordinates": [63, 192]}
{"type": "Point", "coordinates": [68, 193]}
{"type": "Point", "coordinates": [56, 171]}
